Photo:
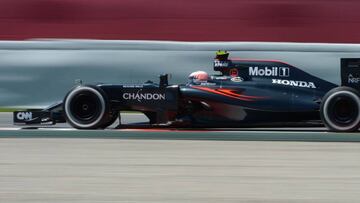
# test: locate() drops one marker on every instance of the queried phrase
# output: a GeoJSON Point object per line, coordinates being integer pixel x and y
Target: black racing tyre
{"type": "Point", "coordinates": [86, 107]}
{"type": "Point", "coordinates": [340, 109]}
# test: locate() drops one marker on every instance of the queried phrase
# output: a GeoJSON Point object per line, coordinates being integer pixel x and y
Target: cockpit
{"type": "Point", "coordinates": [230, 71]}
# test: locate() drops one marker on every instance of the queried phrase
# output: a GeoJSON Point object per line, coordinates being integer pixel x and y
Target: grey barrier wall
{"type": "Point", "coordinates": [36, 73]}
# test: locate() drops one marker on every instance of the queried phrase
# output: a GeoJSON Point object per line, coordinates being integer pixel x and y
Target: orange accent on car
{"type": "Point", "coordinates": [229, 93]}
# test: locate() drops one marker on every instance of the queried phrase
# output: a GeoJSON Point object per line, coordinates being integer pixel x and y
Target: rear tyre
{"type": "Point", "coordinates": [86, 107]}
{"type": "Point", "coordinates": [340, 109]}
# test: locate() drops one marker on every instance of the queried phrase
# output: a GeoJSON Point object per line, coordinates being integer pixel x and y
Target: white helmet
{"type": "Point", "coordinates": [199, 76]}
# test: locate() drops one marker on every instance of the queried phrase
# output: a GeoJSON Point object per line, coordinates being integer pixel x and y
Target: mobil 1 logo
{"type": "Point", "coordinates": [269, 71]}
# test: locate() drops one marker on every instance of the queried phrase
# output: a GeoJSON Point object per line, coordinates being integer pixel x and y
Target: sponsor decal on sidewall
{"type": "Point", "coordinates": [133, 86]}
{"type": "Point", "coordinates": [219, 77]}
{"type": "Point", "coordinates": [139, 96]}
{"type": "Point", "coordinates": [352, 79]}
{"type": "Point", "coordinates": [221, 64]}
{"type": "Point", "coordinates": [237, 79]}
{"type": "Point", "coordinates": [294, 83]}
{"type": "Point", "coordinates": [207, 84]}
{"type": "Point", "coordinates": [266, 71]}
{"type": "Point", "coordinates": [24, 116]}
{"type": "Point", "coordinates": [233, 72]}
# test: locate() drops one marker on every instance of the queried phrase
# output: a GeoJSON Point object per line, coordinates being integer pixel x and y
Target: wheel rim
{"type": "Point", "coordinates": [344, 110]}
{"type": "Point", "coordinates": [85, 107]}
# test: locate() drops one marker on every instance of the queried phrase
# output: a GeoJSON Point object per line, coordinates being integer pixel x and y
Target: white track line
{"type": "Point", "coordinates": [166, 130]}
{"type": "Point", "coordinates": [10, 128]}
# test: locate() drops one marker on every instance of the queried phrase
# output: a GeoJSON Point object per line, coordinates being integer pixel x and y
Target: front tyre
{"type": "Point", "coordinates": [86, 107]}
{"type": "Point", "coordinates": [340, 109]}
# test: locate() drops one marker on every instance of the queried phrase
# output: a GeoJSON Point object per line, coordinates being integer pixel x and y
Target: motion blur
{"type": "Point", "coordinates": [201, 20]}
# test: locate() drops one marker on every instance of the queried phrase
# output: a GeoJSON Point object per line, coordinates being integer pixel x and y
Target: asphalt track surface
{"type": "Point", "coordinates": [7, 129]}
{"type": "Point", "coordinates": [58, 164]}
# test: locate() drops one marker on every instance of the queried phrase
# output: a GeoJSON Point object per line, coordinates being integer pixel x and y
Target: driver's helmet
{"type": "Point", "coordinates": [198, 76]}
{"type": "Point", "coordinates": [222, 55]}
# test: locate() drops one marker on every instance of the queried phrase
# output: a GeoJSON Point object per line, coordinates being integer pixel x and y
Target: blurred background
{"type": "Point", "coordinates": [39, 72]}
{"type": "Point", "coordinates": [184, 20]}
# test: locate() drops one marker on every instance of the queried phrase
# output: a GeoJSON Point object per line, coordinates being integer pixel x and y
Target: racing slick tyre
{"type": "Point", "coordinates": [86, 107]}
{"type": "Point", "coordinates": [340, 109]}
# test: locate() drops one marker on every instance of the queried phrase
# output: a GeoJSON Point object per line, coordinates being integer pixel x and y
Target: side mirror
{"type": "Point", "coordinates": [164, 80]}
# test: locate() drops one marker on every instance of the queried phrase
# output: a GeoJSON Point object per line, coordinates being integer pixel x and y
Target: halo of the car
{"type": "Point", "coordinates": [85, 121]}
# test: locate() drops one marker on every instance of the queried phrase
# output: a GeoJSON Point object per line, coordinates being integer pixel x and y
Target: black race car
{"type": "Point", "coordinates": [244, 93]}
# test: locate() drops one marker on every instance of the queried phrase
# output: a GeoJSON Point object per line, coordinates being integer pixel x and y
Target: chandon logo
{"type": "Point", "coordinates": [294, 83]}
{"type": "Point", "coordinates": [143, 96]}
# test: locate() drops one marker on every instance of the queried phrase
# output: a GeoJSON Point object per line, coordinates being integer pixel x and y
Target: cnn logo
{"type": "Point", "coordinates": [24, 115]}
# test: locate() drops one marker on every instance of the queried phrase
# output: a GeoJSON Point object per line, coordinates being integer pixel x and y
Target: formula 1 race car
{"type": "Point", "coordinates": [244, 93]}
